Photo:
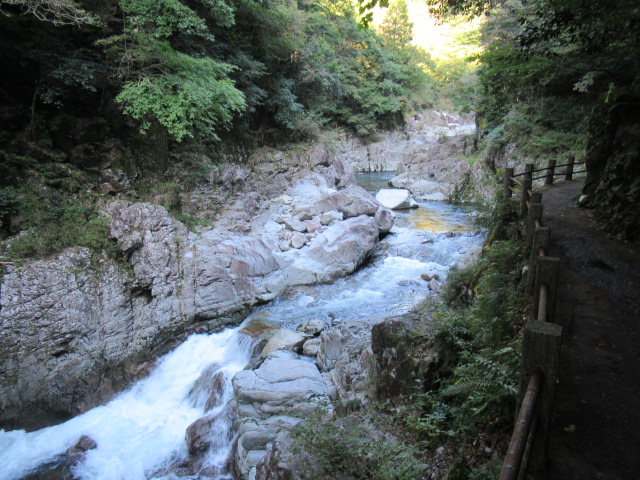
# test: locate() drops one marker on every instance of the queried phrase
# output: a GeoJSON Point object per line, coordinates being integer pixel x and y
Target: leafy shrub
{"type": "Point", "coordinates": [53, 221]}
{"type": "Point", "coordinates": [349, 447]}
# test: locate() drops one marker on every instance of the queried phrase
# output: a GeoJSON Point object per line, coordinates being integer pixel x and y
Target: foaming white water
{"type": "Point", "coordinates": [142, 429]}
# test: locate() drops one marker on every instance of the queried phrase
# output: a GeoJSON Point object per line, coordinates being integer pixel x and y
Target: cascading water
{"type": "Point", "coordinates": [141, 433]}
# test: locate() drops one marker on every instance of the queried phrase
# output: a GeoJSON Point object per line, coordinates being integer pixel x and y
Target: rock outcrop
{"type": "Point", "coordinates": [74, 330]}
{"type": "Point", "coordinates": [612, 186]}
{"type": "Point", "coordinates": [428, 155]}
{"type": "Point", "coordinates": [271, 398]}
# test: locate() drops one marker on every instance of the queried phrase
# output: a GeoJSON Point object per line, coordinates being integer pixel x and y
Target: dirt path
{"type": "Point", "coordinates": [596, 425]}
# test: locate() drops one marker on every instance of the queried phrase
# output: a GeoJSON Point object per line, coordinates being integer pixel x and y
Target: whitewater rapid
{"type": "Point", "coordinates": [140, 431]}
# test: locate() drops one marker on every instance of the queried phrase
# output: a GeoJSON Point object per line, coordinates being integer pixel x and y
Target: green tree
{"type": "Point", "coordinates": [58, 12]}
{"type": "Point", "coordinates": [396, 25]}
{"type": "Point", "coordinates": [186, 93]}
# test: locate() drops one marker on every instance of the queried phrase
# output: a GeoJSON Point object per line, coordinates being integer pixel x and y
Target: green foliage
{"type": "Point", "coordinates": [470, 8]}
{"type": "Point", "coordinates": [8, 203]}
{"type": "Point", "coordinates": [185, 93]}
{"type": "Point", "coordinates": [58, 12]}
{"type": "Point", "coordinates": [52, 221]}
{"type": "Point", "coordinates": [396, 25]}
{"type": "Point", "coordinates": [194, 95]}
{"type": "Point", "coordinates": [348, 447]}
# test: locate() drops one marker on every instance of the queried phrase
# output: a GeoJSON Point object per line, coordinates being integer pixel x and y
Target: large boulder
{"type": "Point", "coordinates": [402, 357]}
{"type": "Point", "coordinates": [270, 399]}
{"type": "Point", "coordinates": [352, 201]}
{"type": "Point", "coordinates": [285, 339]}
{"type": "Point", "coordinates": [396, 199]}
{"type": "Point", "coordinates": [337, 251]}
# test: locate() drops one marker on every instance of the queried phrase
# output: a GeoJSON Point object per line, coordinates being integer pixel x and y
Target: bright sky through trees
{"type": "Point", "coordinates": [453, 40]}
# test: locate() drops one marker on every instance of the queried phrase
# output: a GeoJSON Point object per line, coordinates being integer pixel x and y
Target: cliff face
{"type": "Point", "coordinates": [612, 188]}
{"type": "Point", "coordinates": [76, 330]}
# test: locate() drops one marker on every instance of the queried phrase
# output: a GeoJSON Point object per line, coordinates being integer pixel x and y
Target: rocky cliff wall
{"type": "Point", "coordinates": [76, 330]}
{"type": "Point", "coordinates": [612, 187]}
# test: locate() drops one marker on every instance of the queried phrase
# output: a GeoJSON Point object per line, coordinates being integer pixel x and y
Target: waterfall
{"type": "Point", "coordinates": [141, 431]}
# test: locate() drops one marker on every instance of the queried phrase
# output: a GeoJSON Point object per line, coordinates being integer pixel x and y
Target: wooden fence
{"type": "Point", "coordinates": [542, 337]}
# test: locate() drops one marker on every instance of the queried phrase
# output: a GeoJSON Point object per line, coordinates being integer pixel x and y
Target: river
{"type": "Point", "coordinates": [141, 433]}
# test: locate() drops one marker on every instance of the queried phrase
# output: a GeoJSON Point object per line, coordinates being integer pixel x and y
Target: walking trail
{"type": "Point", "coordinates": [595, 431]}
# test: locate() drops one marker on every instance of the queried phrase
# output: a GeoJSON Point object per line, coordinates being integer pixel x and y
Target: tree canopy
{"type": "Point", "coordinates": [197, 68]}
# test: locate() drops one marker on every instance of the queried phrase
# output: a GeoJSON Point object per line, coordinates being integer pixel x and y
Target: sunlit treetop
{"type": "Point", "coordinates": [438, 8]}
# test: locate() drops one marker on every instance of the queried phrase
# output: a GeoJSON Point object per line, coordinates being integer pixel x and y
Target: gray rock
{"type": "Point", "coordinates": [294, 224]}
{"type": "Point", "coordinates": [201, 436]}
{"type": "Point", "coordinates": [284, 385]}
{"type": "Point", "coordinates": [280, 384]}
{"type": "Point", "coordinates": [403, 356]}
{"type": "Point", "coordinates": [285, 339]}
{"type": "Point", "coordinates": [311, 347]}
{"type": "Point", "coordinates": [284, 199]}
{"type": "Point", "coordinates": [303, 215]}
{"type": "Point", "coordinates": [298, 240]}
{"type": "Point", "coordinates": [330, 217]}
{"type": "Point", "coordinates": [312, 226]}
{"type": "Point", "coordinates": [352, 201]}
{"type": "Point", "coordinates": [208, 389]}
{"type": "Point", "coordinates": [337, 251]}
{"type": "Point", "coordinates": [311, 327]}
{"type": "Point", "coordinates": [384, 219]}
{"type": "Point", "coordinates": [396, 199]}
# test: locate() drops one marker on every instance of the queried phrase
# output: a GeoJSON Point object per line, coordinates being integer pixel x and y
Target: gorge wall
{"type": "Point", "coordinates": [75, 329]}
{"type": "Point", "coordinates": [612, 187]}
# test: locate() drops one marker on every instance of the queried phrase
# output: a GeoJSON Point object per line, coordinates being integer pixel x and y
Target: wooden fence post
{"type": "Point", "coordinates": [546, 274]}
{"type": "Point", "coordinates": [541, 351]}
{"type": "Point", "coordinates": [526, 186]}
{"type": "Point", "coordinates": [508, 173]}
{"type": "Point", "coordinates": [551, 169]}
{"type": "Point", "coordinates": [535, 213]}
{"type": "Point", "coordinates": [569, 172]}
{"type": "Point", "coordinates": [541, 236]}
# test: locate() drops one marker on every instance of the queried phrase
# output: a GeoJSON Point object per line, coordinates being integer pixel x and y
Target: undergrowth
{"type": "Point", "coordinates": [51, 218]}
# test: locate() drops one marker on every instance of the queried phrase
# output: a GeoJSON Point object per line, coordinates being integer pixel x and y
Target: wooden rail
{"type": "Point", "coordinates": [511, 179]}
{"type": "Point", "coordinates": [542, 337]}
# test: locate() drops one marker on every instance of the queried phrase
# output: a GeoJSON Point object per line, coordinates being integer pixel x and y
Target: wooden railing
{"type": "Point", "coordinates": [512, 181]}
{"type": "Point", "coordinates": [542, 337]}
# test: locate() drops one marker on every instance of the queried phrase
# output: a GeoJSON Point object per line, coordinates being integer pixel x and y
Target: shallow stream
{"type": "Point", "coordinates": [141, 433]}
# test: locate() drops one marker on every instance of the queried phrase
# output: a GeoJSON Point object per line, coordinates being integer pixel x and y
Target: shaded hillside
{"type": "Point", "coordinates": [111, 97]}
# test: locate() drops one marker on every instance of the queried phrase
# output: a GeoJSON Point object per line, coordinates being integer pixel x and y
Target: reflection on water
{"type": "Point", "coordinates": [437, 217]}
{"type": "Point", "coordinates": [374, 181]}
